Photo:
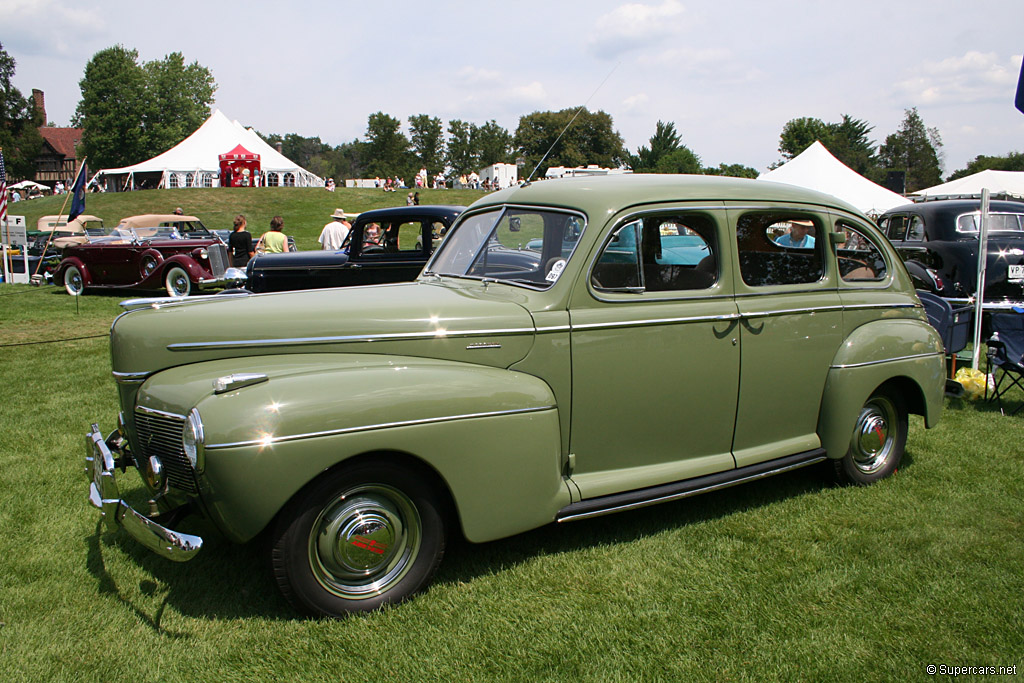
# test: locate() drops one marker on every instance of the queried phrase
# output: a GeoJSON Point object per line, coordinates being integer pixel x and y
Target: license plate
{"type": "Point", "coordinates": [1017, 272]}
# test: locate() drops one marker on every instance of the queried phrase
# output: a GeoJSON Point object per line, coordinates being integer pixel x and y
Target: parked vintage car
{"type": "Point", "coordinates": [938, 240]}
{"type": "Point", "coordinates": [152, 251]}
{"type": "Point", "coordinates": [507, 388]}
{"type": "Point", "coordinates": [406, 237]}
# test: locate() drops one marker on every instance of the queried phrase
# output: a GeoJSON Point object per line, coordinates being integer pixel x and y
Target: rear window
{"type": "Point", "coordinates": [998, 222]}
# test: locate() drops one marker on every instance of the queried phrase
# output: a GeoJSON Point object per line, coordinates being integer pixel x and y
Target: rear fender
{"type": "Point", "coordinates": [72, 261]}
{"type": "Point", "coordinates": [905, 355]}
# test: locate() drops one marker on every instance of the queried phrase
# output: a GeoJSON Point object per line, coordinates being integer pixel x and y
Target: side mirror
{"type": "Point", "coordinates": [837, 237]}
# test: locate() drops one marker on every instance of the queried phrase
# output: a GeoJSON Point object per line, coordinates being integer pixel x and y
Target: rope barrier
{"type": "Point", "coordinates": [54, 341]}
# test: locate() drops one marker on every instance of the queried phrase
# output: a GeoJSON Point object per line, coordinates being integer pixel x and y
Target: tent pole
{"type": "Point", "coordinates": [982, 268]}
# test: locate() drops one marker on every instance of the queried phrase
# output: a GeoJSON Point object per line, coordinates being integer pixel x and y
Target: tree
{"type": "Point", "coordinates": [460, 155]}
{"type": "Point", "coordinates": [848, 141]}
{"type": "Point", "coordinates": [733, 170]}
{"type": "Point", "coordinates": [680, 160]}
{"type": "Point", "coordinates": [181, 96]}
{"type": "Point", "coordinates": [914, 149]}
{"type": "Point", "coordinates": [664, 141]}
{"type": "Point", "coordinates": [591, 139]}
{"type": "Point", "coordinates": [131, 112]}
{"type": "Point", "coordinates": [427, 136]}
{"type": "Point", "coordinates": [799, 134]}
{"type": "Point", "coordinates": [387, 148]}
{"type": "Point", "coordinates": [19, 124]}
{"type": "Point", "coordinates": [1014, 161]}
{"type": "Point", "coordinates": [492, 143]}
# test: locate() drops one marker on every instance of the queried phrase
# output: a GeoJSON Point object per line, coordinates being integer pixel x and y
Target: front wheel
{"type": "Point", "coordinates": [176, 282]}
{"type": "Point", "coordinates": [878, 440]}
{"type": "Point", "coordinates": [358, 538]}
{"type": "Point", "coordinates": [74, 283]}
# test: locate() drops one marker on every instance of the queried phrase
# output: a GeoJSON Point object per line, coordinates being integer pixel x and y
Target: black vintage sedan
{"type": "Point", "coordinates": [938, 240]}
{"type": "Point", "coordinates": [384, 245]}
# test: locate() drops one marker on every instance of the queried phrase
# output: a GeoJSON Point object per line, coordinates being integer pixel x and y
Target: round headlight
{"type": "Point", "coordinates": [192, 438]}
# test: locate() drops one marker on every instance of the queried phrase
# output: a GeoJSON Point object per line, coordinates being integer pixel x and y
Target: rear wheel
{"type": "Point", "coordinates": [74, 283]}
{"type": "Point", "coordinates": [879, 438]}
{"type": "Point", "coordinates": [177, 283]}
{"type": "Point", "coordinates": [358, 538]}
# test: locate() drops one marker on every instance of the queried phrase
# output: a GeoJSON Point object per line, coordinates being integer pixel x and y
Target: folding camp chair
{"type": "Point", "coordinates": [1006, 352]}
{"type": "Point", "coordinates": [953, 326]}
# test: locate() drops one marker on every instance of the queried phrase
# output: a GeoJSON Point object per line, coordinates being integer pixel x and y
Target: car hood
{"type": "Point", "coordinates": [449, 320]}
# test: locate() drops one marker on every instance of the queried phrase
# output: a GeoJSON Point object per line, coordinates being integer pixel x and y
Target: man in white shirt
{"type": "Point", "coordinates": [335, 232]}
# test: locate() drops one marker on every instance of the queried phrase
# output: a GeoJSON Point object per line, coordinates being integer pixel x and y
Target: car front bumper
{"type": "Point", "coordinates": [103, 494]}
{"type": "Point", "coordinates": [232, 277]}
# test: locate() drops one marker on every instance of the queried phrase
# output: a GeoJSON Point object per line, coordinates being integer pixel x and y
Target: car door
{"type": "Point", "coordinates": [655, 354]}
{"type": "Point", "coordinates": [791, 325]}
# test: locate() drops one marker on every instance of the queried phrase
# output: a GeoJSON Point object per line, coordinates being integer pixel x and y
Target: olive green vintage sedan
{"type": "Point", "coordinates": [573, 348]}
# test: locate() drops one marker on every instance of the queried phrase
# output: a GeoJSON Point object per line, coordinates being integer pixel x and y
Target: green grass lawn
{"type": "Point", "coordinates": [787, 578]}
{"type": "Point", "coordinates": [305, 210]}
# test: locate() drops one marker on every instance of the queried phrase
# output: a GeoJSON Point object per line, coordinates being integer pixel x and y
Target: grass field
{"type": "Point", "coordinates": [788, 578]}
{"type": "Point", "coordinates": [305, 210]}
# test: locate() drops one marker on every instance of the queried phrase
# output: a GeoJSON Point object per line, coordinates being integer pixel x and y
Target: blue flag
{"type": "Point", "coordinates": [78, 196]}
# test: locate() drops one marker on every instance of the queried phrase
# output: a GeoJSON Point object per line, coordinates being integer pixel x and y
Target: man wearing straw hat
{"type": "Point", "coordinates": [335, 232]}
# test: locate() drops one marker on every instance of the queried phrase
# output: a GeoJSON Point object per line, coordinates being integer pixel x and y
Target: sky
{"type": "Point", "coordinates": [729, 73]}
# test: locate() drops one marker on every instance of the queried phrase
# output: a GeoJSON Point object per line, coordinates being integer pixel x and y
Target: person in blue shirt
{"type": "Point", "coordinates": [797, 236]}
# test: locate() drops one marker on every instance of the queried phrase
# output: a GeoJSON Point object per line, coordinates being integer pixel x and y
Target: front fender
{"type": "Point", "coordinates": [906, 355]}
{"type": "Point", "coordinates": [491, 435]}
{"type": "Point", "coordinates": [72, 261]}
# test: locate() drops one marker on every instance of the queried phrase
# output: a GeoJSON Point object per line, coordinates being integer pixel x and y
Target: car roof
{"type": "Point", "coordinates": [151, 220]}
{"type": "Point", "coordinates": [940, 206]}
{"type": "Point", "coordinates": [392, 212]}
{"type": "Point", "coordinates": [602, 195]}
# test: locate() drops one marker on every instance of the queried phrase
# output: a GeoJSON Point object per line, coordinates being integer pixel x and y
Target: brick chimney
{"type": "Point", "coordinates": [278, 145]}
{"type": "Point", "coordinates": [40, 100]}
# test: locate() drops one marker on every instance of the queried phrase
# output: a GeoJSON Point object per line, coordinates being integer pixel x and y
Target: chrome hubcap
{"type": "Point", "coordinates": [874, 437]}
{"type": "Point", "coordinates": [74, 280]}
{"type": "Point", "coordinates": [179, 283]}
{"type": "Point", "coordinates": [364, 541]}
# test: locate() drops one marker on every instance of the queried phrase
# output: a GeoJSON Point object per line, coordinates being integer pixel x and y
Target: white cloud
{"type": "Point", "coordinates": [974, 77]}
{"type": "Point", "coordinates": [633, 26]}
{"type": "Point", "coordinates": [47, 27]}
{"type": "Point", "coordinates": [474, 76]}
{"type": "Point", "coordinates": [635, 102]}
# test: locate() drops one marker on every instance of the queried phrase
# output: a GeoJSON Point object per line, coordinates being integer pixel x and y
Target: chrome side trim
{"type": "Point", "coordinates": [130, 377]}
{"type": "Point", "coordinates": [793, 311]}
{"type": "Point", "coordinates": [888, 360]}
{"type": "Point", "coordinates": [691, 492]}
{"type": "Point", "coordinates": [161, 413]}
{"type": "Point", "coordinates": [270, 439]}
{"type": "Point", "coordinates": [657, 321]}
{"type": "Point", "coordinates": [163, 302]}
{"type": "Point", "coordinates": [483, 345]}
{"type": "Point", "coordinates": [345, 339]}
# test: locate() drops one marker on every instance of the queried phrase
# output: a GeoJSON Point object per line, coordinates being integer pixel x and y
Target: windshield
{"type": "Point", "coordinates": [1001, 222]}
{"type": "Point", "coordinates": [513, 244]}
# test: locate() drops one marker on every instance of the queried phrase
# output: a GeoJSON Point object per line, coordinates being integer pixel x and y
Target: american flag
{"type": "Point", "coordinates": [3, 189]}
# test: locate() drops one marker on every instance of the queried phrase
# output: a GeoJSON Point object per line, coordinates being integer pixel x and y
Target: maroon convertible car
{"type": "Point", "coordinates": [154, 251]}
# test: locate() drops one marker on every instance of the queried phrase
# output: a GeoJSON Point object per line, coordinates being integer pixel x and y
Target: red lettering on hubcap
{"type": "Point", "coordinates": [369, 544]}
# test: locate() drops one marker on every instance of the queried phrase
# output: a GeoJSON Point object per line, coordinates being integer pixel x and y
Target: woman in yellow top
{"type": "Point", "coordinates": [274, 241]}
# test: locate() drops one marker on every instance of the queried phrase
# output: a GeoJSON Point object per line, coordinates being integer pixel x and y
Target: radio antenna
{"type": "Point", "coordinates": [581, 108]}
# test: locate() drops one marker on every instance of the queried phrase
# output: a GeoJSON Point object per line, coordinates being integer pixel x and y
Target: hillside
{"type": "Point", "coordinates": [305, 210]}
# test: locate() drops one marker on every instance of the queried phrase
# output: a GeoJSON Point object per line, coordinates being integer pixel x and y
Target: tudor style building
{"type": "Point", "coordinates": [58, 157]}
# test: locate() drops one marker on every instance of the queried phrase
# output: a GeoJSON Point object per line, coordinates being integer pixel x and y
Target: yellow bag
{"type": "Point", "coordinates": [973, 382]}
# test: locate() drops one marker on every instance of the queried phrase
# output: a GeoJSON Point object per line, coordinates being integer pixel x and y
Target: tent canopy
{"type": "Point", "coordinates": [195, 161]}
{"type": "Point", "coordinates": [815, 168]}
{"type": "Point", "coordinates": [239, 153]}
{"type": "Point", "coordinates": [1004, 182]}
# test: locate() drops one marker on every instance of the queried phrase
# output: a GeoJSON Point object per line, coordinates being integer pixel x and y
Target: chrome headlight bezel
{"type": "Point", "coordinates": [193, 439]}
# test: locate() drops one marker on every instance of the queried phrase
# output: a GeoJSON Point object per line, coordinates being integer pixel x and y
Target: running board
{"type": "Point", "coordinates": [631, 500]}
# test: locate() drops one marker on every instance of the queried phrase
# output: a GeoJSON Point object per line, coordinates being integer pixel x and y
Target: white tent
{"type": "Point", "coordinates": [194, 161]}
{"type": "Point", "coordinates": [997, 182]}
{"type": "Point", "coordinates": [815, 168]}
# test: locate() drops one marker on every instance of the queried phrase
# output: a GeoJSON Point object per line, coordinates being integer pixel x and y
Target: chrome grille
{"type": "Point", "coordinates": [218, 254]}
{"type": "Point", "coordinates": [160, 435]}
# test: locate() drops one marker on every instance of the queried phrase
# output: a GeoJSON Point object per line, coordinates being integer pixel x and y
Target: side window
{"type": "Point", "coordinates": [895, 227]}
{"type": "Point", "coordinates": [916, 231]}
{"type": "Point", "coordinates": [393, 238]}
{"type": "Point", "coordinates": [618, 267]}
{"type": "Point", "coordinates": [659, 254]}
{"type": "Point", "coordinates": [779, 248]}
{"type": "Point", "coordinates": [677, 252]}
{"type": "Point", "coordinates": [860, 259]}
